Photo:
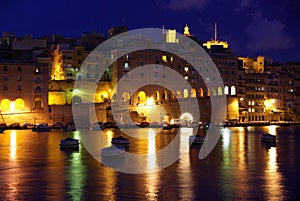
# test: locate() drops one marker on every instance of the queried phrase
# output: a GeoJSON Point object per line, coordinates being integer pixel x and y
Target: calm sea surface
{"type": "Point", "coordinates": [241, 167]}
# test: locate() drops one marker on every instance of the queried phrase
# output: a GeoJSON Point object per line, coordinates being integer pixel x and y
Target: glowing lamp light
{"type": "Point", "coordinates": [150, 101]}
{"type": "Point", "coordinates": [12, 106]}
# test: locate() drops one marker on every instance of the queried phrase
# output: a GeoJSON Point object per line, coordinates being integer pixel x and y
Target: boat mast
{"type": "Point", "coordinates": [2, 117]}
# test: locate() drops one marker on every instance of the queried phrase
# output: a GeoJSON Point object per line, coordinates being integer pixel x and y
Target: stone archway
{"type": "Point", "coordinates": [186, 119]}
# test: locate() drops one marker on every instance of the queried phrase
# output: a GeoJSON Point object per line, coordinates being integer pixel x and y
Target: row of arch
{"type": "Point", "coordinates": [185, 93]}
{"type": "Point", "coordinates": [18, 104]}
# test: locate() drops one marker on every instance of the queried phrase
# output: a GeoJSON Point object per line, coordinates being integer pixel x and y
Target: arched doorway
{"type": "Point", "coordinates": [19, 104]}
{"type": "Point", "coordinates": [76, 99]}
{"type": "Point", "coordinates": [142, 97]}
{"type": "Point", "coordinates": [125, 96]}
{"type": "Point", "coordinates": [5, 105]}
{"type": "Point", "coordinates": [186, 119]}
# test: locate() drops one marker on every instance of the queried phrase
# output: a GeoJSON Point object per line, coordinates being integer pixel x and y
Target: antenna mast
{"type": "Point", "coordinates": [215, 31]}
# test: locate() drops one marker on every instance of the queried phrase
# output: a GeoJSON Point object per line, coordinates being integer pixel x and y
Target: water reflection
{"type": "Point", "coordinates": [241, 167]}
{"type": "Point", "coordinates": [13, 145]}
{"type": "Point", "coordinates": [76, 172]}
{"type": "Point", "coordinates": [185, 180]}
{"type": "Point", "coordinates": [273, 179]}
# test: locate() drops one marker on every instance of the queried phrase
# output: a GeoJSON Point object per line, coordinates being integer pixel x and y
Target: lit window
{"type": "Point", "coordinates": [252, 109]}
{"type": "Point", "coordinates": [164, 58]}
{"type": "Point", "coordinates": [249, 103]}
{"type": "Point", "coordinates": [186, 77]}
{"type": "Point", "coordinates": [233, 90]}
{"type": "Point", "coordinates": [171, 59]}
{"type": "Point", "coordinates": [19, 87]}
{"type": "Point", "coordinates": [226, 90]}
{"type": "Point", "coordinates": [249, 109]}
{"type": "Point", "coordinates": [126, 65]}
{"type": "Point", "coordinates": [186, 69]}
{"type": "Point", "coordinates": [252, 102]}
{"type": "Point", "coordinates": [19, 78]}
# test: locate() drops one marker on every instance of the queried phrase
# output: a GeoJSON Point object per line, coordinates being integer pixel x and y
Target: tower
{"type": "Point", "coordinates": [186, 31]}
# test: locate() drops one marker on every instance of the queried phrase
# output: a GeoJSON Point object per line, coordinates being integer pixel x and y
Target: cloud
{"type": "Point", "coordinates": [267, 34]}
{"type": "Point", "coordinates": [243, 4]}
{"type": "Point", "coordinates": [179, 5]}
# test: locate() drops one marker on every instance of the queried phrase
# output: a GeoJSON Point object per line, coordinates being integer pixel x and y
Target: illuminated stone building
{"type": "Point", "coordinates": [66, 61]}
{"type": "Point", "coordinates": [149, 95]}
{"type": "Point", "coordinates": [24, 94]}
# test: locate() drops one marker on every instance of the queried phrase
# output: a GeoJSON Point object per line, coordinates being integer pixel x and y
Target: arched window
{"type": "Point", "coordinates": [38, 103]}
{"type": "Point", "coordinates": [226, 90]}
{"type": "Point", "coordinates": [19, 104]}
{"type": "Point", "coordinates": [38, 89]}
{"type": "Point", "coordinates": [178, 93]}
{"type": "Point", "coordinates": [165, 95]}
{"type": "Point", "coordinates": [213, 90]}
{"type": "Point", "coordinates": [208, 92]}
{"type": "Point", "coordinates": [5, 105]}
{"type": "Point", "coordinates": [200, 92]}
{"type": "Point", "coordinates": [156, 95]}
{"type": "Point", "coordinates": [220, 91]}
{"type": "Point", "coordinates": [76, 99]}
{"type": "Point", "coordinates": [142, 97]}
{"type": "Point", "coordinates": [233, 90]}
{"type": "Point", "coordinates": [185, 93]}
{"type": "Point", "coordinates": [193, 93]}
{"type": "Point", "coordinates": [125, 96]}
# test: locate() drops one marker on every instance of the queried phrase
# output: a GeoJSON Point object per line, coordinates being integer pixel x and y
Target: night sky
{"type": "Point", "coordinates": [252, 28]}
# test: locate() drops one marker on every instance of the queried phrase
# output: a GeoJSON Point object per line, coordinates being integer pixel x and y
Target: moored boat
{"type": "Point", "coordinates": [120, 141]}
{"type": "Point", "coordinates": [143, 124]}
{"type": "Point", "coordinates": [113, 151]}
{"type": "Point", "coordinates": [2, 130]}
{"type": "Point", "coordinates": [197, 139]}
{"type": "Point", "coordinates": [43, 127]}
{"type": "Point", "coordinates": [267, 137]}
{"type": "Point", "coordinates": [69, 143]}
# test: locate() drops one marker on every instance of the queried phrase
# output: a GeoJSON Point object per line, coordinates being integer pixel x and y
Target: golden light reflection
{"type": "Point", "coordinates": [184, 169]}
{"type": "Point", "coordinates": [152, 156]}
{"type": "Point", "coordinates": [273, 178]}
{"type": "Point", "coordinates": [109, 136]}
{"type": "Point", "coordinates": [272, 129]}
{"type": "Point", "coordinates": [226, 138]}
{"type": "Point", "coordinates": [77, 174]}
{"type": "Point", "coordinates": [152, 179]}
{"type": "Point", "coordinates": [13, 144]}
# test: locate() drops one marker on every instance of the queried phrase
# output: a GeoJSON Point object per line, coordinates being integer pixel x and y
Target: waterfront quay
{"type": "Point", "coordinates": [240, 167]}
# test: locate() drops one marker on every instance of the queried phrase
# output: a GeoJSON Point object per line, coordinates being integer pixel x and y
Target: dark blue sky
{"type": "Point", "coordinates": [252, 27]}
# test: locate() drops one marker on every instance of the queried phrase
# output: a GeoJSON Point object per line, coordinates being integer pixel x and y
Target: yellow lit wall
{"type": "Point", "coordinates": [56, 98]}
{"type": "Point", "coordinates": [57, 72]}
{"type": "Point", "coordinates": [233, 108]}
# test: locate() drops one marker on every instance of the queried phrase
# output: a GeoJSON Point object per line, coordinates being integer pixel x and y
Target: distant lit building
{"type": "Point", "coordinates": [24, 89]}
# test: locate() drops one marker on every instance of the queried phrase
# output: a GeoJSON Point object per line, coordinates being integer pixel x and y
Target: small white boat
{"type": "Point", "coordinates": [69, 143]}
{"type": "Point", "coordinates": [113, 151]}
{"type": "Point", "coordinates": [42, 128]}
{"type": "Point", "coordinates": [120, 141]}
{"type": "Point", "coordinates": [197, 139]}
{"type": "Point", "coordinates": [267, 137]}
